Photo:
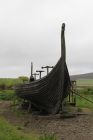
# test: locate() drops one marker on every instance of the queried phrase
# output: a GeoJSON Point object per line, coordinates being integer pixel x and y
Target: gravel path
{"type": "Point", "coordinates": [77, 128]}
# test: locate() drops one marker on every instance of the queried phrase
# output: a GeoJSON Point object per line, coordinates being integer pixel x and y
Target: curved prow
{"type": "Point", "coordinates": [63, 56]}
{"type": "Point", "coordinates": [63, 51]}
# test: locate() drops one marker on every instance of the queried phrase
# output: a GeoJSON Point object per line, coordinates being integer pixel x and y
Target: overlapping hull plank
{"type": "Point", "coordinates": [48, 93]}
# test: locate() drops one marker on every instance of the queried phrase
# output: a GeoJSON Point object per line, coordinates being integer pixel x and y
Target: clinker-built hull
{"type": "Point", "coordinates": [48, 93]}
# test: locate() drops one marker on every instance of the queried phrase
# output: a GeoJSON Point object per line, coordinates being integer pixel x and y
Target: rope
{"type": "Point", "coordinates": [82, 97]}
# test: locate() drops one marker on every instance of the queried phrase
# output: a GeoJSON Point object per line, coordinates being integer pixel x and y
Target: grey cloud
{"type": "Point", "coordinates": [30, 31]}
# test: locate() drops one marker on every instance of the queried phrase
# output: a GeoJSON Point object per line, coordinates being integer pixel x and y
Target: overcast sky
{"type": "Point", "coordinates": [30, 31]}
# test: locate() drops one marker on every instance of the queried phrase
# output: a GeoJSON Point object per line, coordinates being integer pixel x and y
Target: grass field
{"type": "Point", "coordinates": [82, 103]}
{"type": "Point", "coordinates": [10, 132]}
{"type": "Point", "coordinates": [10, 81]}
{"type": "Point", "coordinates": [85, 82]}
{"type": "Point", "coordinates": [85, 89]}
{"type": "Point", "coordinates": [7, 94]}
{"type": "Point", "coordinates": [6, 87]}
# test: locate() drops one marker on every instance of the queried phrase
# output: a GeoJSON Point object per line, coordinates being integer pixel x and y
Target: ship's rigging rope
{"type": "Point", "coordinates": [77, 93]}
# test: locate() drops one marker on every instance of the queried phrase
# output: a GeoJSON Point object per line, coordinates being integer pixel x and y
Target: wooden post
{"type": "Point", "coordinates": [29, 107]}
{"type": "Point", "coordinates": [40, 71]}
{"type": "Point", "coordinates": [35, 74]}
{"type": "Point", "coordinates": [47, 67]}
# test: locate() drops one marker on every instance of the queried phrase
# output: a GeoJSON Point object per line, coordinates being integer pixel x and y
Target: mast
{"type": "Point", "coordinates": [31, 76]}
{"type": "Point", "coordinates": [31, 69]}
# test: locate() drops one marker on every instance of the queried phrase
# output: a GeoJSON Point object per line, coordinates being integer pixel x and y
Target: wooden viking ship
{"type": "Point", "coordinates": [47, 94]}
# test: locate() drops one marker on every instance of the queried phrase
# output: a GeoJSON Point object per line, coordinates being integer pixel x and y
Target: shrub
{"type": "Point", "coordinates": [2, 86]}
{"type": "Point", "coordinates": [7, 95]}
{"type": "Point", "coordinates": [23, 78]}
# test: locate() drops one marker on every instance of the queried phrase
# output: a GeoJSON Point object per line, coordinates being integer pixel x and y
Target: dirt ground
{"type": "Point", "coordinates": [75, 128]}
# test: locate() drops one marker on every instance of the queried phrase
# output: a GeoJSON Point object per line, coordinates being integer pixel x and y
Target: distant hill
{"type": "Point", "coordinates": [82, 76]}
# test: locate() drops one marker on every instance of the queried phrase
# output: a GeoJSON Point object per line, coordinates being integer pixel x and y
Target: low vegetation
{"type": "Point", "coordinates": [9, 132]}
{"type": "Point", "coordinates": [6, 87]}
{"type": "Point", "coordinates": [7, 94]}
{"type": "Point", "coordinates": [8, 83]}
{"type": "Point", "coordinates": [86, 93]}
{"type": "Point", "coordinates": [85, 82]}
{"type": "Point", "coordinates": [85, 89]}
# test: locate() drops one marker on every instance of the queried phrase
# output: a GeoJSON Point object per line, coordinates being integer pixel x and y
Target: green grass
{"type": "Point", "coordinates": [9, 132]}
{"type": "Point", "coordinates": [9, 82]}
{"type": "Point", "coordinates": [6, 87]}
{"type": "Point", "coordinates": [82, 103]}
{"type": "Point", "coordinates": [85, 89]}
{"type": "Point", "coordinates": [7, 94]}
{"type": "Point", "coordinates": [85, 82]}
{"type": "Point", "coordinates": [86, 92]}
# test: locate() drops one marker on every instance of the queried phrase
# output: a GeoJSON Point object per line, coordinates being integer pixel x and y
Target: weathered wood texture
{"type": "Point", "coordinates": [48, 93]}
